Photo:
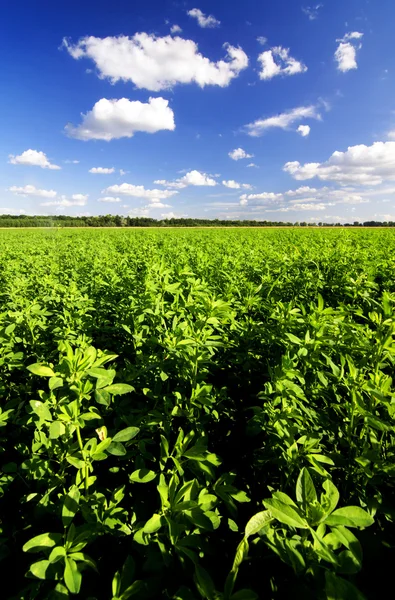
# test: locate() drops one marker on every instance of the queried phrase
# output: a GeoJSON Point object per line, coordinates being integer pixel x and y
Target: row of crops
{"type": "Point", "coordinates": [197, 414]}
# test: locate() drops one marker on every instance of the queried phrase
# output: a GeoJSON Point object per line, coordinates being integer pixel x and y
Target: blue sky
{"type": "Point", "coordinates": [302, 91]}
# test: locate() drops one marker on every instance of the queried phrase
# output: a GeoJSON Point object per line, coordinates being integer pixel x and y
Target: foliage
{"type": "Point", "coordinates": [197, 414]}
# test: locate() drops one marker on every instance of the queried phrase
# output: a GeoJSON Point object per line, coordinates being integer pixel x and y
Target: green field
{"type": "Point", "coordinates": [193, 414]}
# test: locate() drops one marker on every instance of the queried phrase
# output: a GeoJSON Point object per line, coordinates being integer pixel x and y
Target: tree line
{"type": "Point", "coordinates": [120, 221]}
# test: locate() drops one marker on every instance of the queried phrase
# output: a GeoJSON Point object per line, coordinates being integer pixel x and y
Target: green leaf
{"type": "Point", "coordinates": [40, 569]}
{"type": "Point", "coordinates": [126, 434]}
{"type": "Point", "coordinates": [72, 576]}
{"type": "Point", "coordinates": [205, 583]}
{"type": "Point", "coordinates": [153, 524]}
{"type": "Point", "coordinates": [42, 370]}
{"type": "Point", "coordinates": [350, 516]}
{"type": "Point", "coordinates": [118, 389]}
{"type": "Point", "coordinates": [75, 462]}
{"type": "Point", "coordinates": [102, 397]}
{"type": "Point", "coordinates": [41, 410]}
{"type": "Point", "coordinates": [285, 513]}
{"type": "Point", "coordinates": [337, 588]}
{"type": "Point", "coordinates": [44, 540]}
{"type": "Point", "coordinates": [58, 553]}
{"type": "Point", "coordinates": [116, 449]}
{"type": "Point", "coordinates": [294, 339]}
{"type": "Point", "coordinates": [330, 499]}
{"type": "Point", "coordinates": [257, 522]}
{"type": "Point", "coordinates": [70, 506]}
{"type": "Point", "coordinates": [232, 525]}
{"type": "Point", "coordinates": [55, 383]}
{"type": "Point", "coordinates": [244, 595]}
{"type": "Point", "coordinates": [142, 476]}
{"type": "Point", "coordinates": [132, 590]}
{"type": "Point", "coordinates": [56, 429]}
{"type": "Point", "coordinates": [305, 490]}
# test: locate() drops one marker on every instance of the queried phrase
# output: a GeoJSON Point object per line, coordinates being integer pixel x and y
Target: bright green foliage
{"type": "Point", "coordinates": [197, 414]}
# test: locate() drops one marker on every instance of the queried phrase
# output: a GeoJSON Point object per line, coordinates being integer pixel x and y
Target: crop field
{"type": "Point", "coordinates": [192, 414]}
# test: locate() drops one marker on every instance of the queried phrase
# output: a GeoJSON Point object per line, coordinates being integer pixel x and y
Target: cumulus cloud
{"type": "Point", "coordinates": [283, 120]}
{"type": "Point", "coordinates": [363, 165]}
{"type": "Point", "coordinates": [205, 21]}
{"type": "Point", "coordinates": [391, 135]}
{"type": "Point", "coordinates": [194, 178]}
{"type": "Point", "coordinates": [139, 191]}
{"type": "Point", "coordinates": [262, 196]}
{"type": "Point", "coordinates": [235, 185]}
{"type": "Point", "coordinates": [33, 158]}
{"type": "Point", "coordinates": [31, 190]}
{"type": "Point", "coordinates": [109, 199]}
{"type": "Point", "coordinates": [64, 202]}
{"type": "Point", "coordinates": [346, 53]}
{"type": "Point", "coordinates": [312, 11]}
{"type": "Point", "coordinates": [112, 119]}
{"type": "Point", "coordinates": [304, 190]}
{"type": "Point", "coordinates": [175, 29]}
{"type": "Point", "coordinates": [277, 61]}
{"type": "Point", "coordinates": [304, 130]}
{"type": "Point", "coordinates": [253, 165]}
{"type": "Point", "coordinates": [102, 170]}
{"type": "Point", "coordinates": [157, 63]}
{"type": "Point", "coordinates": [238, 154]}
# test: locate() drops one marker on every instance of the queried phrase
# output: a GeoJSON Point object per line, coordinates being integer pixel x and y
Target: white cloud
{"type": "Point", "coordinates": [157, 63]}
{"type": "Point", "coordinates": [71, 162]}
{"type": "Point", "coordinates": [304, 130]}
{"type": "Point", "coordinates": [194, 178]}
{"type": "Point", "coordinates": [158, 205]}
{"type": "Point", "coordinates": [346, 53]}
{"type": "Point", "coordinates": [391, 135]}
{"type": "Point", "coordinates": [263, 196]}
{"type": "Point", "coordinates": [112, 119]}
{"type": "Point", "coordinates": [296, 207]}
{"type": "Point", "coordinates": [262, 40]}
{"type": "Point", "coordinates": [138, 212]}
{"type": "Point", "coordinates": [363, 165]}
{"type": "Point", "coordinates": [235, 185]}
{"type": "Point", "coordinates": [283, 120]}
{"type": "Point", "coordinates": [198, 179]}
{"type": "Point", "coordinates": [312, 11]}
{"type": "Point", "coordinates": [239, 153]}
{"type": "Point", "coordinates": [175, 29]}
{"type": "Point", "coordinates": [110, 199]}
{"type": "Point", "coordinates": [277, 61]}
{"type": "Point", "coordinates": [102, 170]}
{"type": "Point", "coordinates": [170, 184]}
{"type": "Point", "coordinates": [302, 191]}
{"type": "Point", "coordinates": [205, 21]}
{"type": "Point", "coordinates": [33, 158]}
{"type": "Point", "coordinates": [64, 202]}
{"type": "Point", "coordinates": [80, 197]}
{"type": "Point", "coordinates": [122, 172]}
{"type": "Point", "coordinates": [139, 191]}
{"type": "Point", "coordinates": [12, 211]}
{"type": "Point", "coordinates": [31, 190]}
{"type": "Point", "coordinates": [253, 165]}
{"type": "Point", "coordinates": [172, 215]}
